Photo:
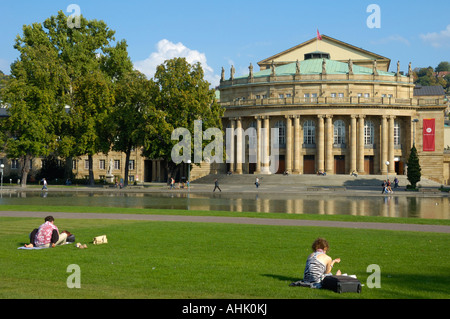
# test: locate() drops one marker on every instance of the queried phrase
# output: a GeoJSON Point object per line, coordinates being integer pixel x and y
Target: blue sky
{"type": "Point", "coordinates": [221, 33]}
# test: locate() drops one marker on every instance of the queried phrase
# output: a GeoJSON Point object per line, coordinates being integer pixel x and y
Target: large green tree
{"type": "Point", "coordinates": [93, 62]}
{"type": "Point", "coordinates": [185, 96]}
{"type": "Point", "coordinates": [34, 94]}
{"type": "Point", "coordinates": [134, 121]}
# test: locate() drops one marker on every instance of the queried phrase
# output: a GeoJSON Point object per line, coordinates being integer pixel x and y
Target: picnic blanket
{"type": "Point", "coordinates": [31, 248]}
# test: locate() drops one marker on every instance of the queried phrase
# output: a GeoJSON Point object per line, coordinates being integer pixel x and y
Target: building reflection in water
{"type": "Point", "coordinates": [387, 206]}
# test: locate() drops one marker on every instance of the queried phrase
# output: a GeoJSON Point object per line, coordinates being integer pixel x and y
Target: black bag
{"type": "Point", "coordinates": [341, 284]}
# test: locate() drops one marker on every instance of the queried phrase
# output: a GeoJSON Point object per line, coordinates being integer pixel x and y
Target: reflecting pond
{"type": "Point", "coordinates": [388, 206]}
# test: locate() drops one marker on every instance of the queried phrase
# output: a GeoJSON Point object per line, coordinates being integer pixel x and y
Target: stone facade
{"type": "Point", "coordinates": [334, 116]}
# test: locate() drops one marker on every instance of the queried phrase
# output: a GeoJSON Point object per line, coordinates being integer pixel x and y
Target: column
{"type": "Point", "coordinates": [329, 162]}
{"type": "Point", "coordinates": [154, 171]}
{"type": "Point", "coordinates": [158, 170]}
{"type": "Point", "coordinates": [353, 145]}
{"type": "Point", "coordinates": [288, 158]}
{"type": "Point", "coordinates": [297, 145]}
{"type": "Point", "coordinates": [320, 144]}
{"type": "Point", "coordinates": [232, 155]}
{"type": "Point", "coordinates": [384, 142]}
{"type": "Point", "coordinates": [391, 145]}
{"type": "Point", "coordinates": [265, 159]}
{"type": "Point", "coordinates": [239, 146]}
{"type": "Point", "coordinates": [258, 145]}
{"type": "Point", "coordinates": [361, 145]}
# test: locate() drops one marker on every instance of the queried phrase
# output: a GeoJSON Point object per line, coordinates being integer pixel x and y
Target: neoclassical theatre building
{"type": "Point", "coordinates": [338, 109]}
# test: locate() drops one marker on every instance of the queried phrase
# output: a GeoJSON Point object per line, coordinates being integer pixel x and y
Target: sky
{"type": "Point", "coordinates": [223, 33]}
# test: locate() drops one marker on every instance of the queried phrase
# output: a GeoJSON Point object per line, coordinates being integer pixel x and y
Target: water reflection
{"type": "Point", "coordinates": [388, 206]}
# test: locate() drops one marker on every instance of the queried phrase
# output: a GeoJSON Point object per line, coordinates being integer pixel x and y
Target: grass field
{"type": "Point", "coordinates": [180, 260]}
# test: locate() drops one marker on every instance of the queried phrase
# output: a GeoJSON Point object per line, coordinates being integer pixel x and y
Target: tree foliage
{"type": "Point", "coordinates": [73, 92]}
{"type": "Point", "coordinates": [429, 76]}
{"type": "Point", "coordinates": [184, 95]}
{"type": "Point", "coordinates": [134, 121]}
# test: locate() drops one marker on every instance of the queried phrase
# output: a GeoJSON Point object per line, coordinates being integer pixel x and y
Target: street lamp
{"type": "Point", "coordinates": [414, 131]}
{"type": "Point", "coordinates": [1, 170]}
{"type": "Point", "coordinates": [189, 173]}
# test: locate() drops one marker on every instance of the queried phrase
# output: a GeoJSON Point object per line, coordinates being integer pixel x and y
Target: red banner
{"type": "Point", "coordinates": [428, 135]}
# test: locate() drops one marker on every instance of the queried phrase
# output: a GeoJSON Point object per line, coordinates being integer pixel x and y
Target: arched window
{"type": "Point", "coordinates": [369, 132]}
{"type": "Point", "coordinates": [281, 126]}
{"type": "Point", "coordinates": [339, 132]}
{"type": "Point", "coordinates": [396, 133]}
{"type": "Point", "coordinates": [309, 133]}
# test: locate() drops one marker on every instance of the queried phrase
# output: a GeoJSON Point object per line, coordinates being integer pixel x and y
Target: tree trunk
{"type": "Point", "coordinates": [25, 169]}
{"type": "Point", "coordinates": [91, 171]}
{"type": "Point", "coordinates": [127, 166]}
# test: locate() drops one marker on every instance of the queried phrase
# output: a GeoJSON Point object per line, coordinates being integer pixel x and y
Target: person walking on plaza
{"type": "Point", "coordinates": [216, 185]}
{"type": "Point", "coordinates": [44, 184]}
{"type": "Point", "coordinates": [257, 182]}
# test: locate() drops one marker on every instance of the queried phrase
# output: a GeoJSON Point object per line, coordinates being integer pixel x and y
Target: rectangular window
{"type": "Point", "coordinates": [131, 165]}
{"type": "Point", "coordinates": [101, 164]}
{"type": "Point", "coordinates": [333, 94]}
{"type": "Point", "coordinates": [281, 96]}
{"type": "Point", "coordinates": [366, 95]}
{"type": "Point", "coordinates": [258, 97]}
{"type": "Point", "coordinates": [74, 164]}
{"type": "Point", "coordinates": [288, 95]}
{"type": "Point", "coordinates": [117, 164]}
{"type": "Point", "coordinates": [14, 164]}
{"type": "Point", "coordinates": [86, 164]}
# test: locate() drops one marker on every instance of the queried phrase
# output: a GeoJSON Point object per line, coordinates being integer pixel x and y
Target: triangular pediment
{"type": "Point", "coordinates": [338, 51]}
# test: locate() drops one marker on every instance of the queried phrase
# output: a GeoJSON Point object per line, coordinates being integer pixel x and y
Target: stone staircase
{"type": "Point", "coordinates": [310, 180]}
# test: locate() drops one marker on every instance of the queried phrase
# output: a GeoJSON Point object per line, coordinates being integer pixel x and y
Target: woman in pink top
{"type": "Point", "coordinates": [47, 235]}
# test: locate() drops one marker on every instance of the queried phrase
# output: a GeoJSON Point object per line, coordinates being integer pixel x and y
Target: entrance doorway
{"type": "Point", "coordinates": [309, 164]}
{"type": "Point", "coordinates": [281, 164]}
{"type": "Point", "coordinates": [368, 165]}
{"type": "Point", "coordinates": [399, 167]}
{"type": "Point", "coordinates": [339, 164]}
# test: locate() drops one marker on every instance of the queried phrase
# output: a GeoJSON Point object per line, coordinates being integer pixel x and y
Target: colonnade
{"type": "Point", "coordinates": [324, 144]}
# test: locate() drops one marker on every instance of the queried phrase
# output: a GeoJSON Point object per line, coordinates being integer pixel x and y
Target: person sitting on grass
{"type": "Point", "coordinates": [47, 235]}
{"type": "Point", "coordinates": [318, 265]}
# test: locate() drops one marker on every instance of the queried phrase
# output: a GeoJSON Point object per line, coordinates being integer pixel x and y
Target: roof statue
{"type": "Point", "coordinates": [375, 71]}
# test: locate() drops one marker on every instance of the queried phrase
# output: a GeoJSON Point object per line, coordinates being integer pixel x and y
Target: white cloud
{"type": "Point", "coordinates": [438, 39]}
{"type": "Point", "coordinates": [166, 50]}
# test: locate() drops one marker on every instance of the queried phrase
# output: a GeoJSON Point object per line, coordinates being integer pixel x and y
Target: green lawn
{"type": "Point", "coordinates": [201, 260]}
